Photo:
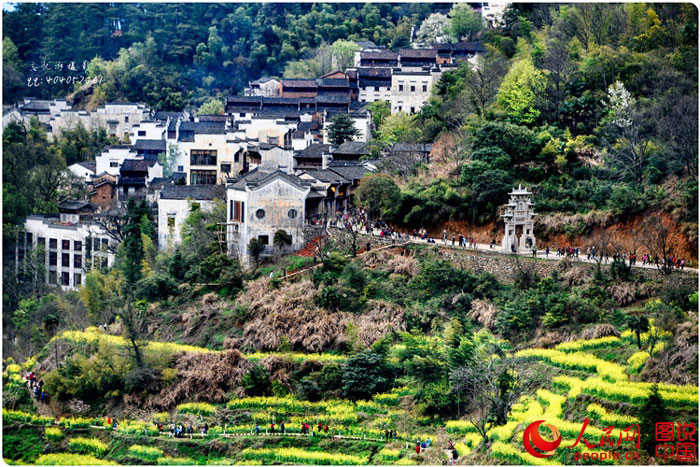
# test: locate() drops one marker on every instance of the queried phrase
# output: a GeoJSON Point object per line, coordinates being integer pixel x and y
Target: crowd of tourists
{"type": "Point", "coordinates": [36, 387]}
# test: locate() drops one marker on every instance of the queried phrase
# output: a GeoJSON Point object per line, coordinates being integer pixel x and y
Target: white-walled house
{"type": "Point", "coordinates": [71, 249]}
{"type": "Point", "coordinates": [261, 203]}
{"type": "Point", "coordinates": [410, 90]}
{"type": "Point", "coordinates": [175, 204]}
{"type": "Point", "coordinates": [206, 154]}
{"type": "Point", "coordinates": [83, 169]}
{"type": "Point", "coordinates": [112, 157]}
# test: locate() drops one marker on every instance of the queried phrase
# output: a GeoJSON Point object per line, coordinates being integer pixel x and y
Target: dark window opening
{"type": "Point", "coordinates": [203, 177]}
{"type": "Point", "coordinates": [264, 239]}
{"type": "Point", "coordinates": [203, 157]}
{"type": "Point", "coordinates": [260, 213]}
{"type": "Point", "coordinates": [65, 244]}
{"type": "Point", "coordinates": [53, 243]}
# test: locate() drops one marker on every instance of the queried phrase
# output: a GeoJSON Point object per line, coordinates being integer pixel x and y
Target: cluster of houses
{"type": "Point", "coordinates": [268, 157]}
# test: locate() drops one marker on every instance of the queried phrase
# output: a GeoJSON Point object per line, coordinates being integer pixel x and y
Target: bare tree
{"type": "Point", "coordinates": [557, 61]}
{"type": "Point", "coordinates": [657, 231]}
{"type": "Point", "coordinates": [679, 128]}
{"type": "Point", "coordinates": [113, 223]}
{"type": "Point", "coordinates": [489, 389]}
{"type": "Point", "coordinates": [480, 87]}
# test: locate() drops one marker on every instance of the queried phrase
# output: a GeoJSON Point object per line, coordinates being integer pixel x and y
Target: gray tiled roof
{"type": "Point", "coordinates": [195, 192]}
{"type": "Point", "coordinates": [352, 147]}
{"type": "Point", "coordinates": [350, 172]}
{"type": "Point", "coordinates": [257, 177]}
{"type": "Point", "coordinates": [150, 144]}
{"type": "Point", "coordinates": [315, 151]}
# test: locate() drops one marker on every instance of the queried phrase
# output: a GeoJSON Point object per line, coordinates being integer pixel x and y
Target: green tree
{"type": "Point", "coordinates": [257, 382]}
{"type": "Point", "coordinates": [399, 128]}
{"type": "Point", "coordinates": [343, 53]}
{"type": "Point", "coordinates": [212, 106]}
{"type": "Point", "coordinates": [379, 196]}
{"type": "Point", "coordinates": [11, 70]}
{"type": "Point", "coordinates": [519, 91]}
{"type": "Point", "coordinates": [364, 375]}
{"type": "Point", "coordinates": [652, 412]}
{"type": "Point", "coordinates": [380, 110]}
{"type": "Point", "coordinates": [638, 324]}
{"type": "Point", "coordinates": [464, 22]}
{"type": "Point", "coordinates": [255, 248]}
{"type": "Point", "coordinates": [342, 129]}
{"type": "Point", "coordinates": [282, 239]}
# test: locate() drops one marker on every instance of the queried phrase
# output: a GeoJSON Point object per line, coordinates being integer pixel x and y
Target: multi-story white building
{"type": "Point", "coordinates": [175, 204]}
{"type": "Point", "coordinates": [206, 154]}
{"type": "Point", "coordinates": [112, 157]}
{"type": "Point", "coordinates": [70, 249]}
{"type": "Point", "coordinates": [261, 203]}
{"type": "Point", "coordinates": [411, 89]}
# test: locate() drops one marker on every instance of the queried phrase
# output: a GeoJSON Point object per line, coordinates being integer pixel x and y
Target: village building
{"type": "Point", "coordinates": [176, 202]}
{"type": "Point", "coordinates": [112, 157]}
{"type": "Point", "coordinates": [261, 203]}
{"type": "Point", "coordinates": [266, 87]}
{"type": "Point", "coordinates": [84, 170]}
{"type": "Point", "coordinates": [72, 244]}
{"type": "Point", "coordinates": [410, 90]}
{"type": "Point", "coordinates": [103, 194]}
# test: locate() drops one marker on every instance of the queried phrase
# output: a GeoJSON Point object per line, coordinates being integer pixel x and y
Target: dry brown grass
{"type": "Point", "coordinates": [484, 312]}
{"type": "Point", "coordinates": [550, 339]}
{"type": "Point", "coordinates": [288, 311]}
{"type": "Point", "coordinates": [380, 319]}
{"type": "Point", "coordinates": [576, 276]}
{"type": "Point", "coordinates": [404, 265]}
{"type": "Point", "coordinates": [600, 330]}
{"type": "Point", "coordinates": [202, 377]}
{"type": "Point", "coordinates": [375, 259]}
{"type": "Point", "coordinates": [623, 293]}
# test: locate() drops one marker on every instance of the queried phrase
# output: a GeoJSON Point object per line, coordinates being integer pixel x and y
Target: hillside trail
{"type": "Point", "coordinates": [43, 409]}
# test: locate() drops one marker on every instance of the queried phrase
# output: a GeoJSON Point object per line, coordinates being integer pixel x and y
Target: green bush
{"type": "Point", "coordinates": [257, 382]}
{"type": "Point", "coordinates": [87, 446]}
{"type": "Point", "coordinates": [364, 375]}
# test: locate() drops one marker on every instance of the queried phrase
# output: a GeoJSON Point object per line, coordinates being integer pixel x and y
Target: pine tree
{"type": "Point", "coordinates": [653, 411]}
{"type": "Point", "coordinates": [342, 129]}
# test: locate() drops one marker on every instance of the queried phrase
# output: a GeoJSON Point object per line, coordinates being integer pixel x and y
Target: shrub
{"type": "Point", "coordinates": [175, 461]}
{"type": "Point", "coordinates": [197, 408]}
{"type": "Point", "coordinates": [146, 453]}
{"type": "Point", "coordinates": [87, 446]}
{"type": "Point", "coordinates": [257, 382]}
{"type": "Point", "coordinates": [53, 434]}
{"type": "Point", "coordinates": [63, 458]}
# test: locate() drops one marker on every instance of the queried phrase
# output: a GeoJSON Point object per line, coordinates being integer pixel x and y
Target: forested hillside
{"type": "Point", "coordinates": [173, 55]}
{"type": "Point", "coordinates": [594, 106]}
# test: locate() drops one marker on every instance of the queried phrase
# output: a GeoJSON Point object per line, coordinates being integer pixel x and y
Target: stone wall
{"type": "Point", "coordinates": [504, 267]}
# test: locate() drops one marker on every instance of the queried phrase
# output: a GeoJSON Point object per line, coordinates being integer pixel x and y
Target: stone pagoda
{"type": "Point", "coordinates": [519, 219]}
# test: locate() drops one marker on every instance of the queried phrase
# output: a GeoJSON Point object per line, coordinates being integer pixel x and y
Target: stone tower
{"type": "Point", "coordinates": [519, 213]}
